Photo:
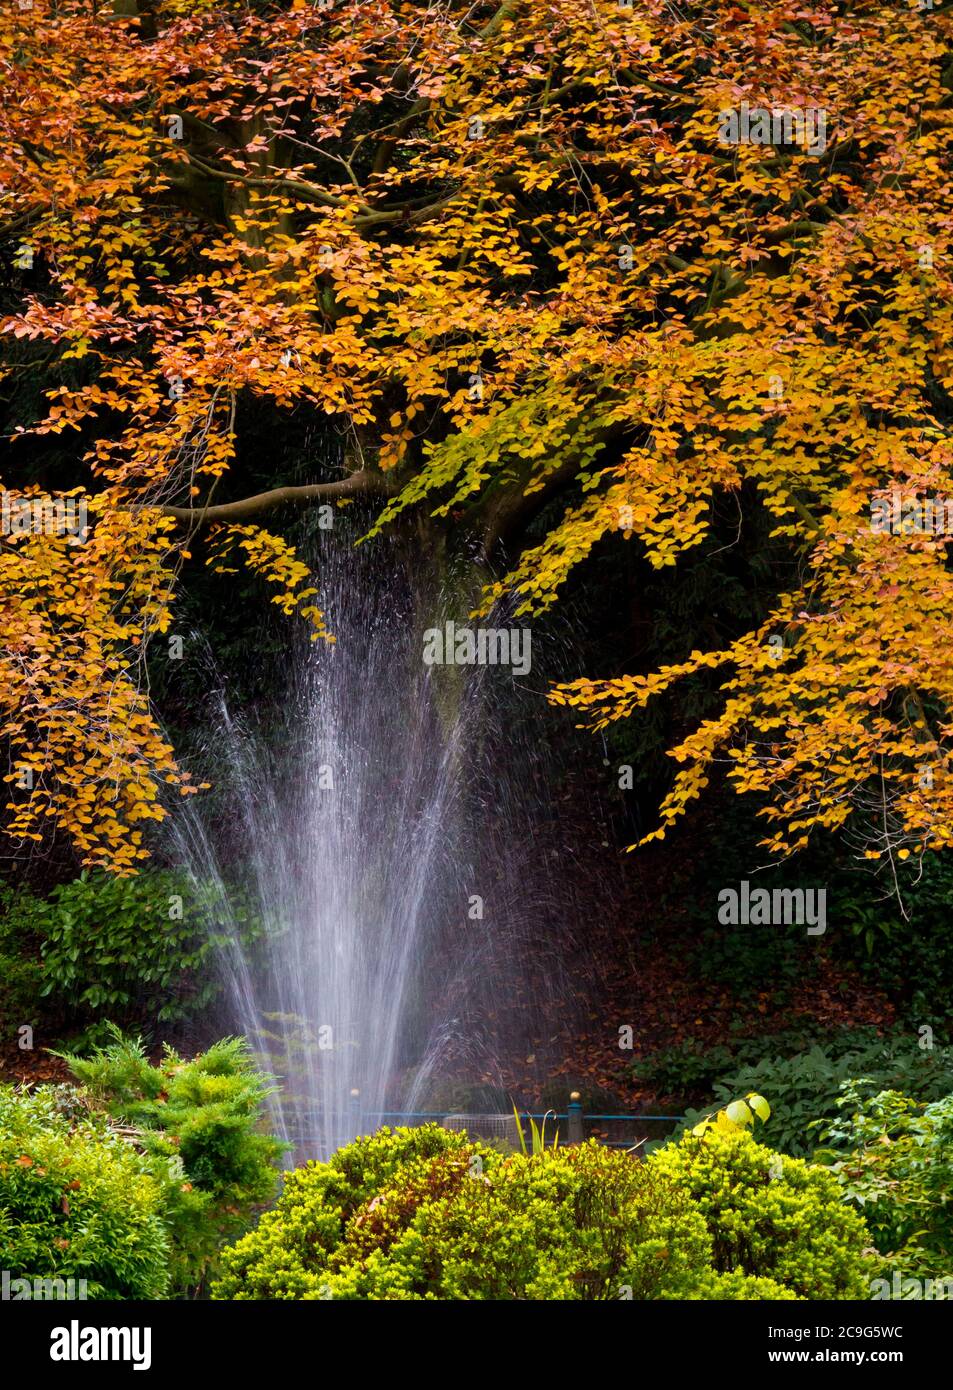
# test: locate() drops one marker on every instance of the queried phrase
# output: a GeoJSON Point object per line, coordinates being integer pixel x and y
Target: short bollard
{"type": "Point", "coordinates": [574, 1119]}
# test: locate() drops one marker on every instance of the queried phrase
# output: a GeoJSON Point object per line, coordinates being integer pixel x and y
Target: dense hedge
{"type": "Point", "coordinates": [76, 1201]}
{"type": "Point", "coordinates": [415, 1214]}
{"type": "Point", "coordinates": [805, 1086]}
{"type": "Point", "coordinates": [141, 950]}
{"type": "Point", "coordinates": [197, 1127]}
{"type": "Point", "coordinates": [135, 1181]}
{"type": "Point", "coordinates": [428, 1214]}
{"type": "Point", "coordinates": [892, 1158]}
{"type": "Point", "coordinates": [770, 1215]}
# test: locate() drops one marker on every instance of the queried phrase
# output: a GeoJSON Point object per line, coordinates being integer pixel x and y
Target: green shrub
{"type": "Point", "coordinates": [75, 1199]}
{"type": "Point", "coordinates": [577, 1223]}
{"type": "Point", "coordinates": [429, 1214]}
{"type": "Point", "coordinates": [739, 1288]}
{"type": "Point", "coordinates": [906, 951]}
{"type": "Point", "coordinates": [286, 1256]}
{"type": "Point", "coordinates": [21, 970]}
{"type": "Point", "coordinates": [139, 947]}
{"type": "Point", "coordinates": [805, 1087]}
{"type": "Point", "coordinates": [893, 1159]}
{"type": "Point", "coordinates": [693, 1066]}
{"type": "Point", "coordinates": [727, 953]}
{"type": "Point", "coordinates": [196, 1125]}
{"type": "Point", "coordinates": [684, 1068]}
{"type": "Point", "coordinates": [20, 983]}
{"type": "Point", "coordinates": [770, 1216]}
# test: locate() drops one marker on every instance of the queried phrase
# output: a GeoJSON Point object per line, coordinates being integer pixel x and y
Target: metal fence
{"type": "Point", "coordinates": [574, 1125]}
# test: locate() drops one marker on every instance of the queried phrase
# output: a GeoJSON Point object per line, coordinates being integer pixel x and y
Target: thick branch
{"type": "Point", "coordinates": [511, 510]}
{"type": "Point", "coordinates": [364, 482]}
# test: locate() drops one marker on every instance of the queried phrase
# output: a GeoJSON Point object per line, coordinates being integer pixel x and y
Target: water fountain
{"type": "Point", "coordinates": [362, 831]}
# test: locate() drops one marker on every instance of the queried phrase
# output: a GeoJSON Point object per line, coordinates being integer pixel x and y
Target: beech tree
{"type": "Point", "coordinates": [630, 257]}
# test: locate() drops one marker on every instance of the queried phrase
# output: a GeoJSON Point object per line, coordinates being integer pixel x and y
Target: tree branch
{"type": "Point", "coordinates": [364, 482]}
{"type": "Point", "coordinates": [510, 511]}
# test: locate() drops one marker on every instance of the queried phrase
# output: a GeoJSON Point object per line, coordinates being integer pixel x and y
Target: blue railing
{"type": "Point", "coordinates": [574, 1123]}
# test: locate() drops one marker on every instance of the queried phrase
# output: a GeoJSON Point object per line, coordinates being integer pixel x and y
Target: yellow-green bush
{"type": "Point", "coordinates": [425, 1213]}
{"type": "Point", "coordinates": [197, 1125]}
{"type": "Point", "coordinates": [769, 1215]}
{"type": "Point", "coordinates": [736, 1287]}
{"type": "Point", "coordinates": [581, 1223]}
{"type": "Point", "coordinates": [75, 1201]}
{"type": "Point", "coordinates": [287, 1255]}
{"type": "Point", "coordinates": [428, 1214]}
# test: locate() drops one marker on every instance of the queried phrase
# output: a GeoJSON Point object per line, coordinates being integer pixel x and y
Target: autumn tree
{"type": "Point", "coordinates": [625, 258]}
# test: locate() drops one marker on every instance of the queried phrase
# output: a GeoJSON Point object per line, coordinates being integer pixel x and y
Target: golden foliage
{"type": "Point", "coordinates": [499, 244]}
